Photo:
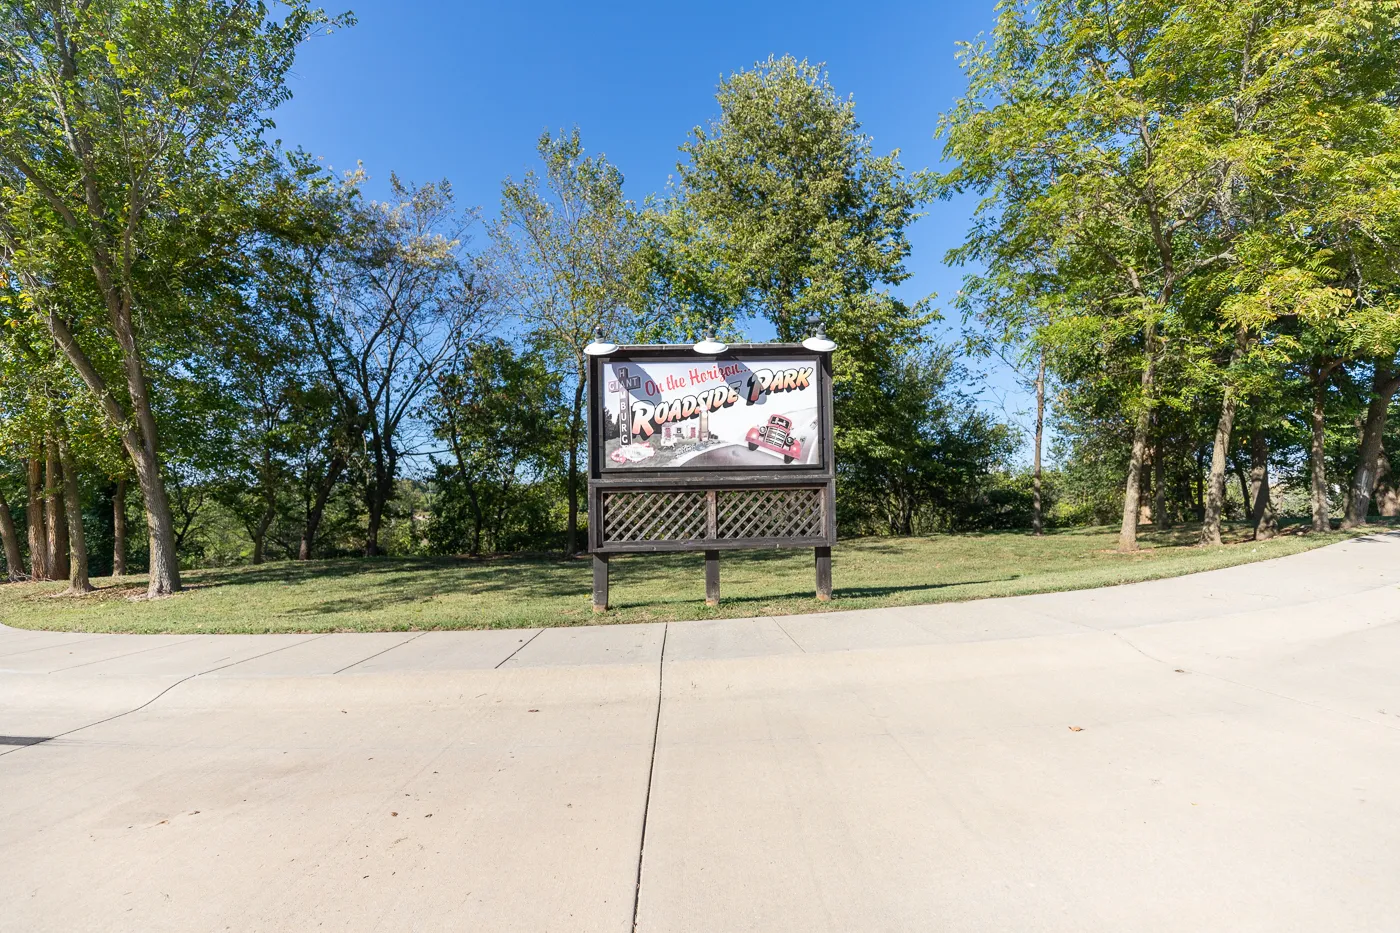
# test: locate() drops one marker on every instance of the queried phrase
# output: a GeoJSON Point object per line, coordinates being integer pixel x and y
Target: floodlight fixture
{"type": "Point", "coordinates": [599, 346]}
{"type": "Point", "coordinates": [819, 342]}
{"type": "Point", "coordinates": [709, 346]}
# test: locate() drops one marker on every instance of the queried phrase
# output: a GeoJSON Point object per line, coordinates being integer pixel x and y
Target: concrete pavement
{"type": "Point", "coordinates": [1220, 751]}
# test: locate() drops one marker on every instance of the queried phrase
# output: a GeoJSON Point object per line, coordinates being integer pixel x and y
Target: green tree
{"type": "Point", "coordinates": [566, 262]}
{"type": "Point", "coordinates": [1154, 148]}
{"type": "Point", "coordinates": [501, 414]}
{"type": "Point", "coordinates": [127, 131]}
{"type": "Point", "coordinates": [397, 307]}
{"type": "Point", "coordinates": [783, 211]}
{"type": "Point", "coordinates": [788, 204]}
{"type": "Point", "coordinates": [930, 454]}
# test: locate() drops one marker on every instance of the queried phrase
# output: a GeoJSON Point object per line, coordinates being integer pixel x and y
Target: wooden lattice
{"type": "Point", "coordinates": [654, 515]}
{"type": "Point", "coordinates": [769, 513]}
{"type": "Point", "coordinates": [633, 516]}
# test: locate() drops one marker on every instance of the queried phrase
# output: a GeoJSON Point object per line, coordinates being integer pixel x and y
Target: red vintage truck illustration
{"type": "Point", "coordinates": [775, 436]}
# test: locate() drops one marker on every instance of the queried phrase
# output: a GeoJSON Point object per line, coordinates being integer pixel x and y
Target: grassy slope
{"type": "Point", "coordinates": [423, 593]}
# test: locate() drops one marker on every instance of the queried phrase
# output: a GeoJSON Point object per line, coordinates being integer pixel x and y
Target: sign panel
{"type": "Point", "coordinates": [759, 412]}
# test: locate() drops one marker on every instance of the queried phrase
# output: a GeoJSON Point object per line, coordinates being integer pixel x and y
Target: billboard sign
{"type": "Point", "coordinates": [759, 412]}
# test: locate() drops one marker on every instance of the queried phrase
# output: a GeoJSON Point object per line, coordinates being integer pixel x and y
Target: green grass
{"type": "Point", "coordinates": [365, 595]}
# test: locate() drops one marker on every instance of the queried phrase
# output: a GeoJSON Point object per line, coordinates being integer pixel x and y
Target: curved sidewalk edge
{"type": "Point", "coordinates": [1287, 585]}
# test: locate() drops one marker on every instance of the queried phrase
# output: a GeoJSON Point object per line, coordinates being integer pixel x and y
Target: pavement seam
{"type": "Point", "coordinates": [518, 650]}
{"type": "Point", "coordinates": [788, 634]}
{"type": "Point", "coordinates": [177, 683]}
{"type": "Point", "coordinates": [378, 653]}
{"type": "Point", "coordinates": [651, 773]}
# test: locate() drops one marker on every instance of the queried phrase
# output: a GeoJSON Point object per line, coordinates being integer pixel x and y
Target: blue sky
{"type": "Point", "coordinates": [436, 90]}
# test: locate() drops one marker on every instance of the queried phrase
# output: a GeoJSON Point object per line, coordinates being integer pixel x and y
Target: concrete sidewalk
{"type": "Point", "coordinates": [1219, 751]}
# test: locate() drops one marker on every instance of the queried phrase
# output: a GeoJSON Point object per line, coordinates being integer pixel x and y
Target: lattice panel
{"type": "Point", "coordinates": [656, 515]}
{"type": "Point", "coordinates": [769, 513]}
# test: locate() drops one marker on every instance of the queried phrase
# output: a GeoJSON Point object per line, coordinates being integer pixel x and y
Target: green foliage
{"type": "Point", "coordinates": [1183, 206]}
{"type": "Point", "coordinates": [920, 455]}
{"type": "Point", "coordinates": [504, 422]}
{"type": "Point", "coordinates": [568, 259]}
{"type": "Point", "coordinates": [782, 211]}
{"type": "Point", "coordinates": [784, 203]}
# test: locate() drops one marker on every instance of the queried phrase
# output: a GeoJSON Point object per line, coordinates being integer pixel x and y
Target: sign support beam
{"type": "Point", "coordinates": [712, 578]}
{"type": "Point", "coordinates": [600, 582]}
{"type": "Point", "coordinates": [824, 574]}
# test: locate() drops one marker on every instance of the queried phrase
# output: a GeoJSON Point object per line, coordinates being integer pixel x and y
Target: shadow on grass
{"type": "Point", "coordinates": [490, 586]}
{"type": "Point", "coordinates": [376, 584]}
{"type": "Point", "coordinates": [869, 592]}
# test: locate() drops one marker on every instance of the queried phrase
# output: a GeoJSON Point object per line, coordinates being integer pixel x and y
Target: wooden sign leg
{"type": "Point", "coordinates": [712, 578]}
{"type": "Point", "coordinates": [823, 573]}
{"type": "Point", "coordinates": [600, 583]}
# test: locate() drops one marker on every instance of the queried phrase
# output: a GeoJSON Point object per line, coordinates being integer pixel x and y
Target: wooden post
{"type": "Point", "coordinates": [712, 578]}
{"type": "Point", "coordinates": [823, 573]}
{"type": "Point", "coordinates": [600, 583]}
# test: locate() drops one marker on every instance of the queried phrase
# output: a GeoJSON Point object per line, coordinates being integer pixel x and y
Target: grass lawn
{"type": "Point", "coordinates": [382, 594]}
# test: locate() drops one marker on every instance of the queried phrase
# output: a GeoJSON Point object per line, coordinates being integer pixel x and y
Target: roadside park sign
{"type": "Point", "coordinates": [696, 452]}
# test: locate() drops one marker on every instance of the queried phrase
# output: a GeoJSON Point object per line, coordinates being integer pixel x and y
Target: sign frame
{"type": "Point", "coordinates": [808, 489]}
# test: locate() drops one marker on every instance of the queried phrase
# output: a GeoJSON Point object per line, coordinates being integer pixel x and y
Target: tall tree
{"type": "Point", "coordinates": [403, 298]}
{"type": "Point", "coordinates": [308, 257]}
{"type": "Point", "coordinates": [565, 261]}
{"type": "Point", "coordinates": [783, 211]}
{"type": "Point", "coordinates": [14, 557]}
{"type": "Point", "coordinates": [125, 129]}
{"type": "Point", "coordinates": [500, 414]}
{"type": "Point", "coordinates": [1159, 145]}
{"type": "Point", "coordinates": [1071, 126]}
{"type": "Point", "coordinates": [78, 582]}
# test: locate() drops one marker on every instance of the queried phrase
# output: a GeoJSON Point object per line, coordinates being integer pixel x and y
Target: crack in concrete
{"type": "Point", "coordinates": [784, 630]}
{"type": "Point", "coordinates": [137, 709]}
{"type": "Point", "coordinates": [520, 649]}
{"type": "Point", "coordinates": [378, 653]}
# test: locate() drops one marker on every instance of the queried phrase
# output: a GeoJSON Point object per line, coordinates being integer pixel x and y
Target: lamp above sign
{"type": "Point", "coordinates": [684, 413]}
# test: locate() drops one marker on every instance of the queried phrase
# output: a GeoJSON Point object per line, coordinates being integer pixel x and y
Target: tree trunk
{"type": "Point", "coordinates": [378, 499]}
{"type": "Point", "coordinates": [1199, 505]}
{"type": "Point", "coordinates": [1387, 493]}
{"type": "Point", "coordinates": [575, 428]}
{"type": "Point", "coordinates": [1317, 456]}
{"type": "Point", "coordinates": [78, 582]}
{"type": "Point", "coordinates": [1363, 483]}
{"type": "Point", "coordinates": [1160, 520]}
{"type": "Point", "coordinates": [14, 558]}
{"type": "Point", "coordinates": [1246, 492]}
{"type": "Point", "coordinates": [318, 507]}
{"type": "Point", "coordinates": [164, 566]}
{"type": "Point", "coordinates": [259, 532]}
{"type": "Point", "coordinates": [1132, 493]}
{"type": "Point", "coordinates": [1262, 512]}
{"type": "Point", "coordinates": [1215, 486]}
{"type": "Point", "coordinates": [119, 529]}
{"type": "Point", "coordinates": [140, 440]}
{"type": "Point", "coordinates": [39, 567]}
{"type": "Point", "coordinates": [1037, 514]}
{"type": "Point", "coordinates": [55, 512]}
{"type": "Point", "coordinates": [376, 518]}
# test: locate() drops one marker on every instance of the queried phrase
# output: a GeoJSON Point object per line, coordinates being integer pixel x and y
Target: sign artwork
{"type": "Point", "coordinates": [721, 414]}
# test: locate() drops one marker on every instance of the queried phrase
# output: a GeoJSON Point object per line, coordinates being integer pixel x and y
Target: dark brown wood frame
{"type": "Point", "coordinates": [819, 479]}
